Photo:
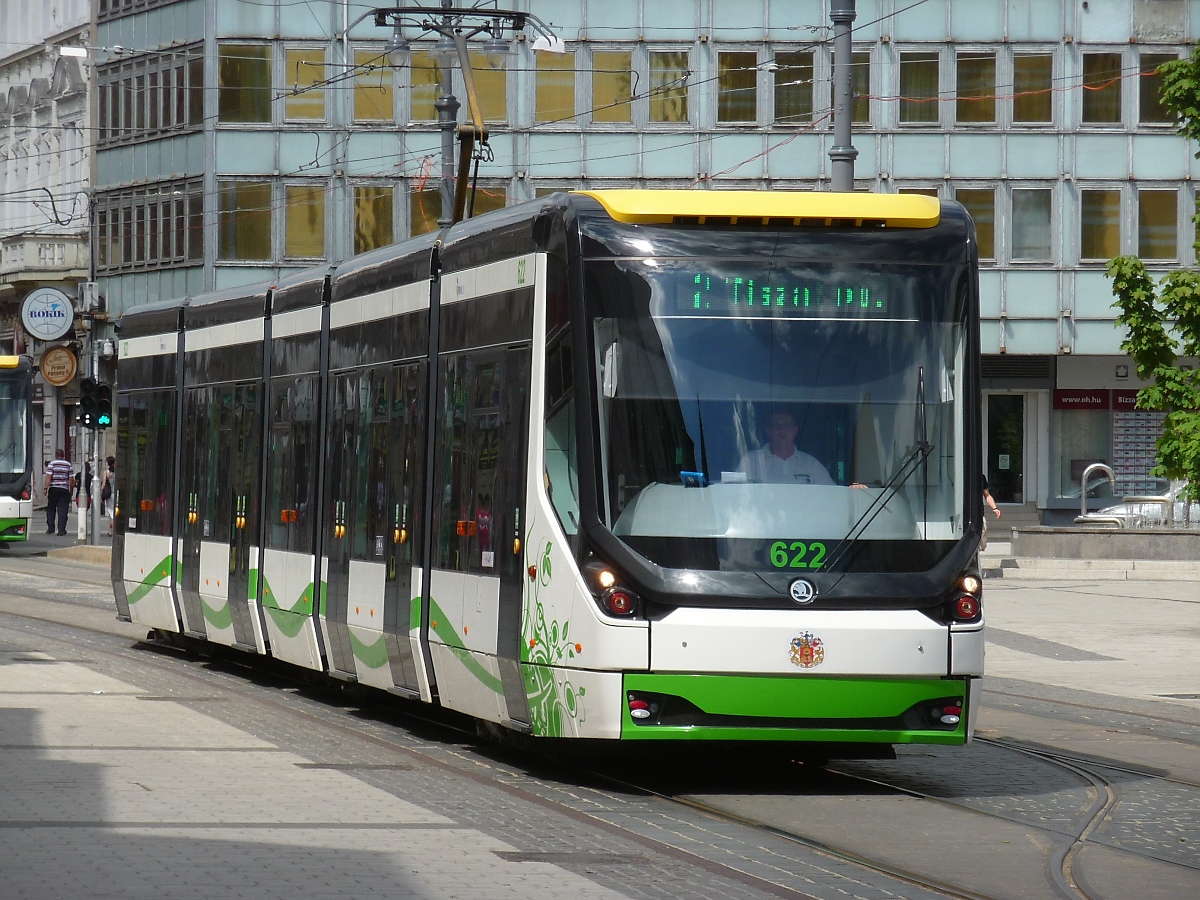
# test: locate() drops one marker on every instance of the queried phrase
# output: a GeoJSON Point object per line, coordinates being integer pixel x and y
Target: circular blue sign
{"type": "Point", "coordinates": [47, 314]}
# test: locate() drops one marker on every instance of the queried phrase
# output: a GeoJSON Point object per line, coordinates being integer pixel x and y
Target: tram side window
{"type": "Point", "coordinates": [292, 461]}
{"type": "Point", "coordinates": [561, 459]}
{"type": "Point", "coordinates": [149, 454]}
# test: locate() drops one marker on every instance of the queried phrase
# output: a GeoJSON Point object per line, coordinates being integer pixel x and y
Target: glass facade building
{"type": "Point", "coordinates": [238, 142]}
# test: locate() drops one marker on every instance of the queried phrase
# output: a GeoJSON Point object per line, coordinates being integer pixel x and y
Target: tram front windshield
{"type": "Point", "coordinates": [14, 419]}
{"type": "Point", "coordinates": [780, 415]}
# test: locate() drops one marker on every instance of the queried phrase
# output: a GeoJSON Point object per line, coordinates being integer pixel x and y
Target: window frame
{"type": "Point", "coordinates": [997, 221]}
{"type": "Point", "coordinates": [1009, 105]}
{"type": "Point", "coordinates": [272, 116]}
{"type": "Point", "coordinates": [1123, 99]}
{"type": "Point", "coordinates": [576, 120]}
{"type": "Point", "coordinates": [272, 239]}
{"type": "Point", "coordinates": [322, 188]}
{"type": "Point", "coordinates": [1141, 53]}
{"type": "Point", "coordinates": [759, 87]}
{"type": "Point", "coordinates": [771, 92]}
{"type": "Point", "coordinates": [635, 77]}
{"type": "Point", "coordinates": [1180, 215]}
{"type": "Point", "coordinates": [389, 75]}
{"type": "Point", "coordinates": [936, 51]}
{"type": "Point", "coordinates": [996, 55]}
{"type": "Point", "coordinates": [352, 206]}
{"type": "Point", "coordinates": [1055, 241]}
{"type": "Point", "coordinates": [287, 85]}
{"type": "Point", "coordinates": [1100, 187]}
{"type": "Point", "coordinates": [689, 121]}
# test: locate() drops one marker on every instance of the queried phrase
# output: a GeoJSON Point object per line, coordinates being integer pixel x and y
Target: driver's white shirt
{"type": "Point", "coordinates": [763, 466]}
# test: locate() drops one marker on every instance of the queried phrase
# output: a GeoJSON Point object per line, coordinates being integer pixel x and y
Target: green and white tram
{"type": "Point", "coordinates": [16, 448]}
{"type": "Point", "coordinates": [637, 465]}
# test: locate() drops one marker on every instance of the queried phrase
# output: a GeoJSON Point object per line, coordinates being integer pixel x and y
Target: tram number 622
{"type": "Point", "coordinates": [797, 555]}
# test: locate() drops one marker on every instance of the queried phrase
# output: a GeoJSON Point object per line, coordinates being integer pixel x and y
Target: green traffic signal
{"type": "Point", "coordinates": [103, 406]}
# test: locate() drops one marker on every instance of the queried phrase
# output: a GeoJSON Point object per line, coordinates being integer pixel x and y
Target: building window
{"type": "Point", "coordinates": [554, 88]}
{"type": "Point", "coordinates": [668, 86]}
{"type": "Point", "coordinates": [153, 227]}
{"type": "Point", "coordinates": [372, 217]}
{"type": "Point", "coordinates": [491, 86]}
{"type": "Point", "coordinates": [612, 86]}
{"type": "Point", "coordinates": [1150, 108]}
{"type": "Point", "coordinates": [487, 198]}
{"type": "Point", "coordinates": [425, 86]}
{"type": "Point", "coordinates": [149, 95]}
{"type": "Point", "coordinates": [793, 87]}
{"type": "Point", "coordinates": [1031, 223]}
{"type": "Point", "coordinates": [860, 85]}
{"type": "Point", "coordinates": [244, 83]}
{"type": "Point", "coordinates": [1102, 88]}
{"type": "Point", "coordinates": [374, 95]}
{"type": "Point", "coordinates": [304, 84]}
{"type": "Point", "coordinates": [304, 224]}
{"type": "Point", "coordinates": [424, 208]}
{"type": "Point", "coordinates": [1157, 224]}
{"type": "Point", "coordinates": [1032, 88]}
{"type": "Point", "coordinates": [245, 220]}
{"type": "Point", "coordinates": [918, 87]}
{"type": "Point", "coordinates": [1100, 224]}
{"type": "Point", "coordinates": [981, 204]}
{"type": "Point", "coordinates": [976, 87]}
{"type": "Point", "coordinates": [737, 86]}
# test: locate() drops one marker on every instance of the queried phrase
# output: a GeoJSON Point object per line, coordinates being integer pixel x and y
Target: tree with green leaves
{"type": "Point", "coordinates": [1163, 316]}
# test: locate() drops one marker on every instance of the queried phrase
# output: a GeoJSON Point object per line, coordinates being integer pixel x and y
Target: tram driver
{"type": "Point", "coordinates": [779, 461]}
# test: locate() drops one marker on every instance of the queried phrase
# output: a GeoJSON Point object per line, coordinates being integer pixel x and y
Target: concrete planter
{"type": "Point", "coordinates": [1045, 542]}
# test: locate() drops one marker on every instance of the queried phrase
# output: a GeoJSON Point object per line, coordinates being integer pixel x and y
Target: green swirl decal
{"type": "Point", "coordinates": [157, 576]}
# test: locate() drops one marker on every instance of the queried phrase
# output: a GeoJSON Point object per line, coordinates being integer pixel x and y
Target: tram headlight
{"type": "Point", "coordinates": [610, 595]}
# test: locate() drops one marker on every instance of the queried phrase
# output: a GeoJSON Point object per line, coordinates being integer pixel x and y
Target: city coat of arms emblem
{"type": "Point", "coordinates": [808, 651]}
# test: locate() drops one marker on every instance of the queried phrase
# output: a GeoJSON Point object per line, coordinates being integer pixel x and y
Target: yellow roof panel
{"type": "Point", "coordinates": [10, 362]}
{"type": "Point", "coordinates": [769, 208]}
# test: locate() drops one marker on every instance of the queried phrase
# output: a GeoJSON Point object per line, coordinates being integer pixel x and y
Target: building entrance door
{"type": "Point", "coordinates": [1006, 447]}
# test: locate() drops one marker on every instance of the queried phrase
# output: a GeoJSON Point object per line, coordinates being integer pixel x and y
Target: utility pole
{"type": "Point", "coordinates": [842, 154]}
{"type": "Point", "coordinates": [447, 107]}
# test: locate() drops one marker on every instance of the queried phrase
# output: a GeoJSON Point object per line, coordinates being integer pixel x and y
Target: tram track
{"type": "Point", "coordinates": [228, 668]}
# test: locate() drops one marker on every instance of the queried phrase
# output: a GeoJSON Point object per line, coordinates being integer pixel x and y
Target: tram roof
{"type": "Point", "coordinates": [301, 290]}
{"type": "Point", "coordinates": [228, 305]}
{"type": "Point", "coordinates": [769, 208]}
{"type": "Point", "coordinates": [160, 317]}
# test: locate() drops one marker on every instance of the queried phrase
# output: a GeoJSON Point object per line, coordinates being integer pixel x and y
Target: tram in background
{"type": "Point", "coordinates": [518, 468]}
{"type": "Point", "coordinates": [16, 447]}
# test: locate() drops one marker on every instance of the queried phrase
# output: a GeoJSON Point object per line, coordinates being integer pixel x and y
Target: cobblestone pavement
{"type": "Point", "coordinates": [143, 773]}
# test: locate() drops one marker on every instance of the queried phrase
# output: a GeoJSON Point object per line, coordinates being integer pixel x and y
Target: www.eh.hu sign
{"type": "Point", "coordinates": [47, 314]}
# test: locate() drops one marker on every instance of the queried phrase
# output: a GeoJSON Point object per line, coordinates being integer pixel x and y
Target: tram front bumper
{"type": "Point", "coordinates": [720, 707]}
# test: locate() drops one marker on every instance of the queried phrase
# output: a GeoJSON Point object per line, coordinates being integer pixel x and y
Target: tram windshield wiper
{"type": "Point", "coordinates": [910, 464]}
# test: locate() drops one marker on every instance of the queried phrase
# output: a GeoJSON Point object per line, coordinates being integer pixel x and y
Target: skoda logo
{"type": "Point", "coordinates": [802, 590]}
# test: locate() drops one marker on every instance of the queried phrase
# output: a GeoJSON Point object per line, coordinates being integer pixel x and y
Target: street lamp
{"type": "Point", "coordinates": [454, 26]}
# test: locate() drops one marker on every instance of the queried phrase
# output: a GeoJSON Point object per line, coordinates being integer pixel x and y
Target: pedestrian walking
{"type": "Point", "coordinates": [60, 482]}
{"type": "Point", "coordinates": [987, 499]}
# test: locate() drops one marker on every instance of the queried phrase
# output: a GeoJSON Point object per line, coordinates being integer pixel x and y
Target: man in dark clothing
{"type": "Point", "coordinates": [60, 482]}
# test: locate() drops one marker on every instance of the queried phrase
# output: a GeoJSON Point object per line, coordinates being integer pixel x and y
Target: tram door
{"type": "Point", "coordinates": [221, 461]}
{"type": "Point", "coordinates": [403, 500]}
{"type": "Point", "coordinates": [344, 458]}
{"type": "Point", "coordinates": [243, 436]}
{"type": "Point", "coordinates": [196, 434]}
{"type": "Point", "coordinates": [375, 480]}
{"type": "Point", "coordinates": [478, 538]}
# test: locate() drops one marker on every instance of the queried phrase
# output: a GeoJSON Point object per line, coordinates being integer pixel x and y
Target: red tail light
{"type": "Point", "coordinates": [25, 494]}
{"type": "Point", "coordinates": [620, 602]}
{"type": "Point", "coordinates": [966, 608]}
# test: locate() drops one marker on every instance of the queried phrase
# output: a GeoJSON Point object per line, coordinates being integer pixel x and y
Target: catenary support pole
{"type": "Point", "coordinates": [447, 110]}
{"type": "Point", "coordinates": [842, 154]}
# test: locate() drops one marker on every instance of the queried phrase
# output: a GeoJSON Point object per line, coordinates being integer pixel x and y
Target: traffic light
{"type": "Point", "coordinates": [89, 403]}
{"type": "Point", "coordinates": [103, 406]}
